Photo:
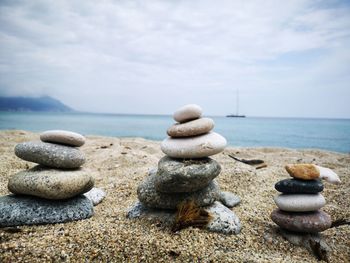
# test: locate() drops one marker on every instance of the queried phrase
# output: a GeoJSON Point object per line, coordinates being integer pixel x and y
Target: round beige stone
{"type": "Point", "coordinates": [63, 137]}
{"type": "Point", "coordinates": [194, 147]}
{"type": "Point", "coordinates": [187, 113]}
{"type": "Point", "coordinates": [51, 183]}
{"type": "Point", "coordinates": [191, 128]}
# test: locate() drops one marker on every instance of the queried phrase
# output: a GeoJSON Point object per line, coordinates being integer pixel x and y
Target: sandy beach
{"type": "Point", "coordinates": [119, 165]}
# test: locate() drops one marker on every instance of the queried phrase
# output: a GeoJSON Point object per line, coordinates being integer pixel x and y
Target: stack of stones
{"type": "Point", "coordinates": [187, 173]}
{"type": "Point", "coordinates": [300, 200]}
{"type": "Point", "coordinates": [51, 191]}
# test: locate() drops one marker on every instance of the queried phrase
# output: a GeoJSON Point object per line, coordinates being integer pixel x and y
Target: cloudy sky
{"type": "Point", "coordinates": [286, 58]}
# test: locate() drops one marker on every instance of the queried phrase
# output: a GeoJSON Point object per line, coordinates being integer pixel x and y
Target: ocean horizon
{"type": "Point", "coordinates": [286, 132]}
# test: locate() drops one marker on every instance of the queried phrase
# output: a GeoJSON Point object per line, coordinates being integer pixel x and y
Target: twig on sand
{"type": "Point", "coordinates": [340, 222]}
{"type": "Point", "coordinates": [250, 162]}
{"type": "Point", "coordinates": [259, 164]}
{"type": "Point", "coordinates": [264, 165]}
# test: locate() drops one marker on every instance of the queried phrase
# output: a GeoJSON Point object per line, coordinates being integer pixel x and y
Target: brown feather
{"type": "Point", "coordinates": [190, 214]}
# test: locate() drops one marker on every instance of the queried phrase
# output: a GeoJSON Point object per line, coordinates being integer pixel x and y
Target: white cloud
{"type": "Point", "coordinates": [152, 56]}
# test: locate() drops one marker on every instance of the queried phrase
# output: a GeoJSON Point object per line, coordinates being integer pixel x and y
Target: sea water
{"type": "Point", "coordinates": [327, 134]}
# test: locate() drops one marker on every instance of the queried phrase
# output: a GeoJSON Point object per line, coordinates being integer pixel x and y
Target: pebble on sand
{"type": "Point", "coordinates": [328, 175]}
{"type": "Point", "coordinates": [229, 199]}
{"type": "Point", "coordinates": [224, 220]}
{"type": "Point", "coordinates": [96, 195]}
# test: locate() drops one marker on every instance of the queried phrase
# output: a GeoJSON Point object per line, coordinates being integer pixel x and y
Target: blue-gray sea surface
{"type": "Point", "coordinates": [328, 134]}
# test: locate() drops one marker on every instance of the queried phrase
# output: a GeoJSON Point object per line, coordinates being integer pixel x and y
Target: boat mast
{"type": "Point", "coordinates": [237, 102]}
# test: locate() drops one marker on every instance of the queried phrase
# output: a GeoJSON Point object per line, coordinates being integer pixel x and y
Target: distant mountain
{"type": "Point", "coordinates": [44, 103]}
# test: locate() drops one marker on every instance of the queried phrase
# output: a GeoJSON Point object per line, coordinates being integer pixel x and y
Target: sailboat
{"type": "Point", "coordinates": [237, 109]}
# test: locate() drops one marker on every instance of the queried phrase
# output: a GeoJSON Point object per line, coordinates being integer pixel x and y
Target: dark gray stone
{"type": "Point", "coordinates": [296, 186]}
{"type": "Point", "coordinates": [304, 222]}
{"type": "Point", "coordinates": [49, 154]}
{"type": "Point", "coordinates": [150, 197]}
{"type": "Point", "coordinates": [178, 175]}
{"type": "Point", "coordinates": [18, 210]}
{"type": "Point", "coordinates": [138, 210]}
{"type": "Point", "coordinates": [229, 199]}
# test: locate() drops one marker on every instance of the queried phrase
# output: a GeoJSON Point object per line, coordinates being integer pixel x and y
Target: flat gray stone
{"type": "Point", "coordinates": [96, 195]}
{"type": "Point", "coordinates": [150, 197]}
{"type": "Point", "coordinates": [191, 128]}
{"type": "Point", "coordinates": [16, 210]}
{"type": "Point", "coordinates": [176, 175]}
{"type": "Point", "coordinates": [229, 199]}
{"type": "Point", "coordinates": [49, 154]}
{"type": "Point", "coordinates": [194, 147]}
{"type": "Point", "coordinates": [224, 220]}
{"type": "Point", "coordinates": [63, 137]}
{"type": "Point", "coordinates": [51, 183]}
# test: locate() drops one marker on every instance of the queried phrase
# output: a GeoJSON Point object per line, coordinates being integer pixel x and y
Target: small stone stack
{"type": "Point", "coordinates": [301, 199]}
{"type": "Point", "coordinates": [51, 191]}
{"type": "Point", "coordinates": [187, 173]}
{"type": "Point", "coordinates": [191, 137]}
